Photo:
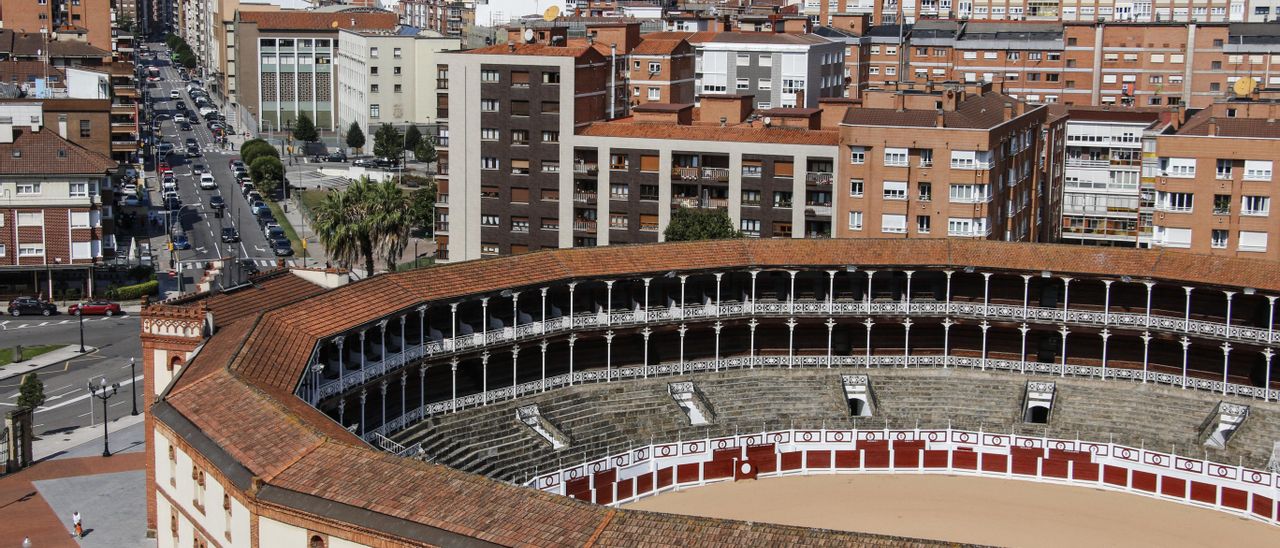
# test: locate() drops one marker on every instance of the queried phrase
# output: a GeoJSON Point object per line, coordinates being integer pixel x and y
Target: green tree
{"type": "Point", "coordinates": [172, 41]}
{"type": "Point", "coordinates": [344, 225]}
{"type": "Point", "coordinates": [688, 224]}
{"type": "Point", "coordinates": [412, 137]}
{"type": "Point", "coordinates": [252, 149]}
{"type": "Point", "coordinates": [267, 172]}
{"type": "Point", "coordinates": [355, 137]}
{"type": "Point", "coordinates": [387, 142]}
{"type": "Point", "coordinates": [421, 207]}
{"type": "Point", "coordinates": [31, 392]}
{"type": "Point", "coordinates": [305, 130]}
{"type": "Point", "coordinates": [391, 221]}
{"type": "Point", "coordinates": [425, 151]}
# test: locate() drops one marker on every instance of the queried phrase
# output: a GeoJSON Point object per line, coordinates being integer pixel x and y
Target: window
{"type": "Point", "coordinates": [551, 107]}
{"type": "Point", "coordinates": [84, 129]}
{"type": "Point", "coordinates": [30, 250]}
{"type": "Point", "coordinates": [619, 191]}
{"type": "Point", "coordinates": [490, 134]}
{"type": "Point", "coordinates": [519, 195]}
{"type": "Point", "coordinates": [488, 162]}
{"type": "Point", "coordinates": [550, 166]}
{"type": "Point", "coordinates": [619, 162]}
{"type": "Point", "coordinates": [926, 191]}
{"type": "Point", "coordinates": [1178, 167]}
{"type": "Point", "coordinates": [519, 167]}
{"type": "Point", "coordinates": [78, 190]}
{"type": "Point", "coordinates": [397, 88]}
{"type": "Point", "coordinates": [373, 71]}
{"type": "Point", "coordinates": [198, 475]}
{"type": "Point", "coordinates": [375, 111]}
{"type": "Point", "coordinates": [744, 59]}
{"type": "Point", "coordinates": [35, 218]}
{"type": "Point", "coordinates": [373, 52]}
{"type": "Point", "coordinates": [781, 199]}
{"type": "Point", "coordinates": [855, 188]}
{"type": "Point", "coordinates": [1257, 170]}
{"type": "Point", "coordinates": [750, 227]}
{"type": "Point", "coordinates": [396, 71]}
{"type": "Point", "coordinates": [895, 190]}
{"type": "Point", "coordinates": [3, 251]}
{"type": "Point", "coordinates": [764, 84]}
{"type": "Point", "coordinates": [490, 220]}
{"type": "Point", "coordinates": [1221, 204]}
{"type": "Point", "coordinates": [969, 159]}
{"type": "Point", "coordinates": [1255, 205]}
{"type": "Point", "coordinates": [373, 88]}
{"type": "Point", "coordinates": [635, 91]}
{"type": "Point", "coordinates": [766, 59]}
{"type": "Point", "coordinates": [655, 94]}
{"type": "Point", "coordinates": [857, 155]}
{"type": "Point", "coordinates": [970, 55]}
{"type": "Point", "coordinates": [487, 248]}
{"type": "Point", "coordinates": [923, 223]}
{"type": "Point", "coordinates": [1223, 168]}
{"type": "Point", "coordinates": [855, 220]}
{"type": "Point", "coordinates": [895, 157]}
{"type": "Point", "coordinates": [520, 137]}
{"type": "Point", "coordinates": [650, 193]}
{"type": "Point", "coordinates": [395, 53]}
{"type": "Point", "coordinates": [751, 197]}
{"type": "Point", "coordinates": [1252, 241]}
{"type": "Point", "coordinates": [1219, 239]}
{"type": "Point", "coordinates": [1157, 57]}
{"type": "Point", "coordinates": [893, 223]}
{"type": "Point", "coordinates": [519, 108]}
{"type": "Point", "coordinates": [926, 157]}
{"type": "Point", "coordinates": [551, 136]}
{"type": "Point", "coordinates": [966, 227]}
{"type": "Point", "coordinates": [489, 76]}
{"type": "Point", "coordinates": [1174, 201]}
{"type": "Point", "coordinates": [488, 105]}
{"type": "Point", "coordinates": [969, 193]}
{"type": "Point", "coordinates": [743, 83]}
{"type": "Point", "coordinates": [79, 219]}
{"type": "Point", "coordinates": [28, 189]}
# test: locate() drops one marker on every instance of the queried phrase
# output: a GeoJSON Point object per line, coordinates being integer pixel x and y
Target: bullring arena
{"type": "Point", "coordinates": [556, 398]}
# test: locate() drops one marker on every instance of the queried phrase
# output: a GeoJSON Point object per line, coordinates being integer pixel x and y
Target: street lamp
{"type": "Point", "coordinates": [104, 393]}
{"type": "Point", "coordinates": [80, 319]}
{"type": "Point", "coordinates": [133, 382]}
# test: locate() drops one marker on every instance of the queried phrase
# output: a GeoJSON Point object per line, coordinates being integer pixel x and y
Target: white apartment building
{"type": "Point", "coordinates": [388, 76]}
{"type": "Point", "coordinates": [776, 68]}
{"type": "Point", "coordinates": [1104, 200]}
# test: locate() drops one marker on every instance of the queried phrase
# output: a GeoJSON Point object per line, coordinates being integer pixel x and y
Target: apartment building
{"type": "Point", "coordinates": [1142, 11]}
{"type": "Point", "coordinates": [388, 76]}
{"type": "Point", "coordinates": [58, 200]}
{"type": "Point", "coordinates": [1106, 199]}
{"type": "Point", "coordinates": [940, 161]}
{"type": "Point", "coordinates": [284, 62]}
{"type": "Point", "coordinates": [1213, 177]}
{"type": "Point", "coordinates": [92, 18]}
{"type": "Point", "coordinates": [662, 71]}
{"type": "Point", "coordinates": [778, 70]}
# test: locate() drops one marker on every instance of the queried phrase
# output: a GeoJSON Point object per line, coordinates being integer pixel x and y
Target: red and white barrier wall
{"type": "Point", "coordinates": [658, 468]}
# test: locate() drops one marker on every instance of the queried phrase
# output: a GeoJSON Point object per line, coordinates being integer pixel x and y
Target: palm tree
{"type": "Point", "coordinates": [391, 221]}
{"type": "Point", "coordinates": [344, 227]}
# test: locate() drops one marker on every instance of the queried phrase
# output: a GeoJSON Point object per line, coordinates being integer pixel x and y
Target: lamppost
{"type": "Point", "coordinates": [288, 135]}
{"type": "Point", "coordinates": [104, 393]}
{"type": "Point", "coordinates": [80, 319]}
{"type": "Point", "coordinates": [133, 384]}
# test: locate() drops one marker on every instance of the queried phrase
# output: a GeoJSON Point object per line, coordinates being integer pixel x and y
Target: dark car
{"type": "Point", "coordinates": [191, 142]}
{"type": "Point", "coordinates": [249, 266]}
{"type": "Point", "coordinates": [172, 203]}
{"type": "Point", "coordinates": [31, 305]}
{"type": "Point", "coordinates": [193, 151]}
{"type": "Point", "coordinates": [185, 126]}
{"type": "Point", "coordinates": [267, 218]}
{"type": "Point", "coordinates": [229, 235]}
{"type": "Point", "coordinates": [180, 241]}
{"type": "Point", "coordinates": [274, 233]}
{"type": "Point", "coordinates": [216, 202]}
{"type": "Point", "coordinates": [336, 156]}
{"type": "Point", "coordinates": [282, 247]}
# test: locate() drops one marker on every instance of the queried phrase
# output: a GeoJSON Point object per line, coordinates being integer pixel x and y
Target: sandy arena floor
{"type": "Point", "coordinates": [967, 509]}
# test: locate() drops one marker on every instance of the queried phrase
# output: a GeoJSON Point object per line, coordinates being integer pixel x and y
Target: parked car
{"type": "Point", "coordinates": [336, 156]}
{"type": "Point", "coordinates": [273, 232]}
{"type": "Point", "coordinates": [216, 202]}
{"type": "Point", "coordinates": [246, 188]}
{"type": "Point", "coordinates": [172, 204]}
{"type": "Point", "coordinates": [281, 247]}
{"type": "Point", "coordinates": [258, 207]}
{"type": "Point", "coordinates": [94, 308]}
{"type": "Point", "coordinates": [31, 305]}
{"type": "Point", "coordinates": [235, 162]}
{"type": "Point", "coordinates": [229, 235]}
{"type": "Point", "coordinates": [166, 148]}
{"type": "Point", "coordinates": [129, 189]}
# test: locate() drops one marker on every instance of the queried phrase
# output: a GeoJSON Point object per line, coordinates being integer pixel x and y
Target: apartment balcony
{"type": "Point", "coordinates": [130, 145]}
{"type": "Point", "coordinates": [1082, 162]}
{"type": "Point", "coordinates": [584, 226]}
{"type": "Point", "coordinates": [584, 197]}
{"type": "Point", "coordinates": [123, 110]}
{"type": "Point", "coordinates": [819, 210]}
{"type": "Point", "coordinates": [685, 201]}
{"type": "Point", "coordinates": [717, 174]}
{"type": "Point", "coordinates": [819, 178]}
{"type": "Point", "coordinates": [586, 168]}
{"type": "Point", "coordinates": [127, 128]}
{"type": "Point", "coordinates": [125, 91]}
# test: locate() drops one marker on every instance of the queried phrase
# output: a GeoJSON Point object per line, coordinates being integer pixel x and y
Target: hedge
{"type": "Point", "coordinates": [133, 292]}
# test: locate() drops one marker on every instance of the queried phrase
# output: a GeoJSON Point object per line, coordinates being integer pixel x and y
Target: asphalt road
{"type": "Point", "coordinates": [197, 219]}
{"type": "Point", "coordinates": [68, 403]}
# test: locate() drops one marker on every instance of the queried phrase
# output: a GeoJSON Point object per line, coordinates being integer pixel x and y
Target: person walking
{"type": "Point", "coordinates": [75, 521]}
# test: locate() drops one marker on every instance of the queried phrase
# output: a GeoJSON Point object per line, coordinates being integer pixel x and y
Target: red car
{"type": "Point", "coordinates": [95, 308]}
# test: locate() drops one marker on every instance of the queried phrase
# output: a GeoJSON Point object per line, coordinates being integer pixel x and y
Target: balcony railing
{"type": "Point", "coordinates": [590, 168]}
{"type": "Point", "coordinates": [819, 178]}
{"type": "Point", "coordinates": [585, 226]}
{"type": "Point", "coordinates": [719, 174]}
{"type": "Point", "coordinates": [584, 197]}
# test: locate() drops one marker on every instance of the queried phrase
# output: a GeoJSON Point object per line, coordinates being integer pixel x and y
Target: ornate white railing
{"type": "Point", "coordinates": [663, 467]}
{"type": "Point", "coordinates": [413, 416]}
{"type": "Point", "coordinates": [783, 309]}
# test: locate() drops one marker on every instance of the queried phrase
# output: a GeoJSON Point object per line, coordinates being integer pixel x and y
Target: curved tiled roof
{"type": "Point", "coordinates": [238, 391]}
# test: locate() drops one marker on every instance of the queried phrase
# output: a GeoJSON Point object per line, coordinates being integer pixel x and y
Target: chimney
{"type": "Point", "coordinates": [511, 46]}
{"type": "Point", "coordinates": [62, 127]}
{"type": "Point", "coordinates": [6, 130]}
{"type": "Point", "coordinates": [800, 99]}
{"type": "Point", "coordinates": [1213, 127]}
{"type": "Point", "coordinates": [1008, 111]}
{"type": "Point", "coordinates": [35, 124]}
{"type": "Point", "coordinates": [941, 120]}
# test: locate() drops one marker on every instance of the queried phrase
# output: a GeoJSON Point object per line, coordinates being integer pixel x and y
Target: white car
{"type": "Point", "coordinates": [207, 182]}
{"type": "Point", "coordinates": [179, 118]}
{"type": "Point", "coordinates": [129, 189]}
{"type": "Point", "coordinates": [175, 94]}
{"type": "Point", "coordinates": [171, 194]}
{"type": "Point", "coordinates": [169, 186]}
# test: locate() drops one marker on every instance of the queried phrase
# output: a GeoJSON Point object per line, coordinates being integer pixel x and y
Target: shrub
{"type": "Point", "coordinates": [133, 292]}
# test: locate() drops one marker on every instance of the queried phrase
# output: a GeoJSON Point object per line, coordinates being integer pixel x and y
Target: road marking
{"type": "Point", "coordinates": [76, 399]}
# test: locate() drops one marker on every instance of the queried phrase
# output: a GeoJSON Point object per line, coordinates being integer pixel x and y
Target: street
{"type": "Point", "coordinates": [68, 404]}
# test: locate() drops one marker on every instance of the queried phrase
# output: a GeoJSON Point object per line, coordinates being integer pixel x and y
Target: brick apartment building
{"type": "Point", "coordinates": [886, 11]}
{"type": "Point", "coordinates": [56, 213]}
{"type": "Point", "coordinates": [1214, 177]}
{"type": "Point", "coordinates": [946, 161]}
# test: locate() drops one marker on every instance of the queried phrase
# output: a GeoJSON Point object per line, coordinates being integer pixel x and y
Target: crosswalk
{"type": "Point", "coordinates": [9, 325]}
{"type": "Point", "coordinates": [196, 264]}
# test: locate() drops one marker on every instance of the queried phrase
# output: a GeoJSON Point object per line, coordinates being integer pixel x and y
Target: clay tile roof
{"type": "Point", "coordinates": [1257, 128]}
{"type": "Point", "coordinates": [545, 50]}
{"type": "Point", "coordinates": [981, 112]}
{"type": "Point", "coordinates": [650, 46]}
{"type": "Point", "coordinates": [276, 289]}
{"type": "Point", "coordinates": [319, 21]}
{"type": "Point", "coordinates": [628, 127]}
{"type": "Point", "coordinates": [25, 71]}
{"type": "Point", "coordinates": [45, 153]}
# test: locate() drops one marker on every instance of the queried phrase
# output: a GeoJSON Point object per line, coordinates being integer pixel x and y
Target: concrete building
{"type": "Point", "coordinates": [937, 162]}
{"type": "Point", "coordinates": [1214, 179]}
{"type": "Point", "coordinates": [1106, 200]}
{"type": "Point", "coordinates": [284, 62]}
{"type": "Point", "coordinates": [1110, 11]}
{"type": "Point", "coordinates": [58, 207]}
{"type": "Point", "coordinates": [388, 76]}
{"type": "Point", "coordinates": [779, 70]}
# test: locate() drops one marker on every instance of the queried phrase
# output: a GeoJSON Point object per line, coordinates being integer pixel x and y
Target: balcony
{"type": "Point", "coordinates": [442, 83]}
{"type": "Point", "coordinates": [718, 174]}
{"type": "Point", "coordinates": [584, 226]}
{"type": "Point", "coordinates": [817, 210]}
{"type": "Point", "coordinates": [584, 197]}
{"type": "Point", "coordinates": [819, 178]}
{"type": "Point", "coordinates": [586, 168]}
{"type": "Point", "coordinates": [684, 201]}
{"type": "Point", "coordinates": [1084, 162]}
{"type": "Point", "coordinates": [130, 145]}
{"type": "Point", "coordinates": [123, 110]}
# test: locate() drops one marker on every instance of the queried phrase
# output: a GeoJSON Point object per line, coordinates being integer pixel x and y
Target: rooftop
{"type": "Point", "coordinates": [45, 153]}
{"type": "Point", "coordinates": [320, 21]}
{"type": "Point", "coordinates": [984, 111]}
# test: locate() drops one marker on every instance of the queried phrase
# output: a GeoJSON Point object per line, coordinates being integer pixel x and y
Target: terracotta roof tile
{"type": "Point", "coordinates": [652, 46]}
{"type": "Point", "coordinates": [316, 20]}
{"type": "Point", "coordinates": [982, 112]}
{"type": "Point", "coordinates": [45, 153]}
{"type": "Point", "coordinates": [544, 50]}
{"type": "Point", "coordinates": [1258, 128]}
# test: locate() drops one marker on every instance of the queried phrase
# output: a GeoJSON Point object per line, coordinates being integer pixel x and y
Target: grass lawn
{"type": "Point", "coordinates": [28, 352]}
{"type": "Point", "coordinates": [287, 227]}
{"type": "Point", "coordinates": [310, 200]}
{"type": "Point", "coordinates": [421, 262]}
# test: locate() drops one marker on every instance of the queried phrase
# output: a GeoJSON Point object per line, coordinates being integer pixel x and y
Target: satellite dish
{"type": "Point", "coordinates": [551, 13]}
{"type": "Point", "coordinates": [1244, 86]}
{"type": "Point", "coordinates": [528, 36]}
{"type": "Point", "coordinates": [768, 121]}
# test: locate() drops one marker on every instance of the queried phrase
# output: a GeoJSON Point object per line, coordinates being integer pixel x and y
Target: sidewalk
{"type": "Point", "coordinates": [44, 360]}
{"type": "Point", "coordinates": [316, 255]}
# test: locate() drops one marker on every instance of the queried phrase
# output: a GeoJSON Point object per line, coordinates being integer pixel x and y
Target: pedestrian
{"type": "Point", "coordinates": [75, 520]}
